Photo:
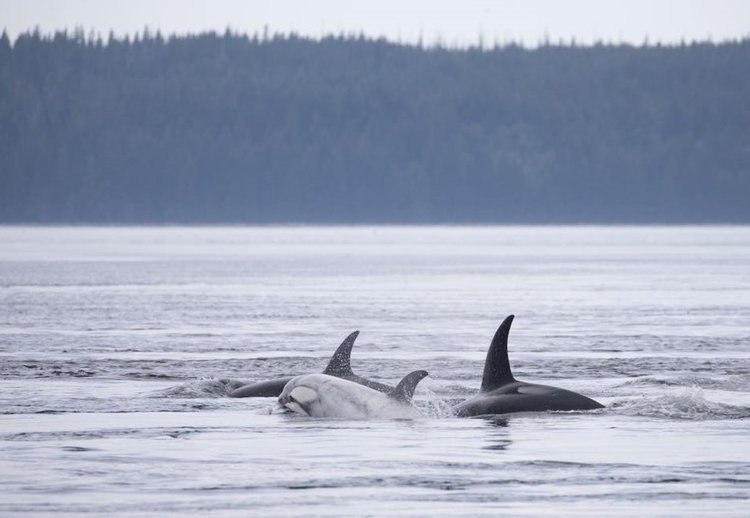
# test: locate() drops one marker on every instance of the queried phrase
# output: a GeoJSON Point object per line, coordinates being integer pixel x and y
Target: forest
{"type": "Point", "coordinates": [230, 128]}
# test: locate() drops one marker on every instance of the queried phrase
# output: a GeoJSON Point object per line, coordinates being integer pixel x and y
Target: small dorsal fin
{"type": "Point", "coordinates": [341, 361]}
{"type": "Point", "coordinates": [405, 389]}
{"type": "Point", "coordinates": [497, 367]}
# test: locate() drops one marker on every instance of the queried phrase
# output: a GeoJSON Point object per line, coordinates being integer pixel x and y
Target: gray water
{"type": "Point", "coordinates": [118, 347]}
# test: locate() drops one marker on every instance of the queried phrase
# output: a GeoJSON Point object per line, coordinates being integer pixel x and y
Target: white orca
{"type": "Point", "coordinates": [339, 366]}
{"type": "Point", "coordinates": [501, 393]}
{"type": "Point", "coordinates": [321, 395]}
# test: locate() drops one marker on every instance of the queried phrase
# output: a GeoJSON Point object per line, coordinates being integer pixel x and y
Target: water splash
{"type": "Point", "coordinates": [689, 404]}
{"type": "Point", "coordinates": [434, 406]}
{"type": "Point", "coordinates": [201, 388]}
{"type": "Point", "coordinates": [723, 382]}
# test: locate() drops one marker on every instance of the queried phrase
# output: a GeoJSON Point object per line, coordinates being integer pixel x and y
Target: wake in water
{"type": "Point", "coordinates": [201, 388]}
{"type": "Point", "coordinates": [739, 383]}
{"type": "Point", "coordinates": [688, 404]}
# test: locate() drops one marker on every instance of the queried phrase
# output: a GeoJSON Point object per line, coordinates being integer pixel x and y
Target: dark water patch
{"type": "Point", "coordinates": [556, 464]}
{"type": "Point", "coordinates": [663, 495]}
{"type": "Point", "coordinates": [739, 481]}
{"type": "Point", "coordinates": [171, 432]}
{"type": "Point", "coordinates": [77, 449]}
{"type": "Point", "coordinates": [441, 483]}
{"type": "Point", "coordinates": [649, 343]}
{"type": "Point", "coordinates": [80, 373]}
{"type": "Point", "coordinates": [110, 406]}
{"type": "Point", "coordinates": [635, 367]}
{"type": "Point", "coordinates": [471, 477]}
{"type": "Point", "coordinates": [182, 432]}
{"type": "Point", "coordinates": [13, 368]}
{"type": "Point", "coordinates": [719, 469]}
{"type": "Point", "coordinates": [460, 377]}
{"type": "Point", "coordinates": [498, 445]}
{"type": "Point", "coordinates": [149, 376]}
{"type": "Point", "coordinates": [54, 436]}
{"type": "Point", "coordinates": [152, 369]}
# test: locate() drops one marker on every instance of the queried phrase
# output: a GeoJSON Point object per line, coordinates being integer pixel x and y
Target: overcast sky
{"type": "Point", "coordinates": [455, 22]}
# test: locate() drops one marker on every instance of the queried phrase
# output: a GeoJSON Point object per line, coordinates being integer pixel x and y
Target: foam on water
{"type": "Point", "coordinates": [201, 388]}
{"type": "Point", "coordinates": [686, 403]}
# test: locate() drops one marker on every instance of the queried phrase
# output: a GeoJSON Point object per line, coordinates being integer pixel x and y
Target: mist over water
{"type": "Point", "coordinates": [118, 347]}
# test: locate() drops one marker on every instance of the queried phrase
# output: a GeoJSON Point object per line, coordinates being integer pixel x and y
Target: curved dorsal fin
{"type": "Point", "coordinates": [341, 361]}
{"type": "Point", "coordinates": [405, 389]}
{"type": "Point", "coordinates": [497, 367]}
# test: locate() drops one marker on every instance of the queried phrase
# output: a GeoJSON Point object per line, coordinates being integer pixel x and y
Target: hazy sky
{"type": "Point", "coordinates": [456, 22]}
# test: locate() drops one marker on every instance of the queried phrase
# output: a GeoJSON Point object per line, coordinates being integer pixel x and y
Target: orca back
{"type": "Point", "coordinates": [268, 388]}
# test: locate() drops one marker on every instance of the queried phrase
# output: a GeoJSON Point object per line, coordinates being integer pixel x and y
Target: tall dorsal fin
{"type": "Point", "coordinates": [341, 361]}
{"type": "Point", "coordinates": [405, 389]}
{"type": "Point", "coordinates": [497, 367]}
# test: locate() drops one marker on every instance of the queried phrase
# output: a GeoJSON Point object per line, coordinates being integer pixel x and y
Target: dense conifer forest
{"type": "Point", "coordinates": [229, 128]}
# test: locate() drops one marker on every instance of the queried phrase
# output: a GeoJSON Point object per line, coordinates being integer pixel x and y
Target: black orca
{"type": "Point", "coordinates": [340, 366]}
{"type": "Point", "coordinates": [501, 393]}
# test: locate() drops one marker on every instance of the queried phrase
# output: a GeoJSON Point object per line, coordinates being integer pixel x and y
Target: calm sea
{"type": "Point", "coordinates": [118, 347]}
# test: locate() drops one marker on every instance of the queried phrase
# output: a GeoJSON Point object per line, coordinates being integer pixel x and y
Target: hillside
{"type": "Point", "coordinates": [226, 128]}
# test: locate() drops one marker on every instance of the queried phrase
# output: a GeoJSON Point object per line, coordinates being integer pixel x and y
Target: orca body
{"type": "Point", "coordinates": [321, 395]}
{"type": "Point", "coordinates": [268, 388]}
{"type": "Point", "coordinates": [501, 393]}
{"type": "Point", "coordinates": [340, 366]}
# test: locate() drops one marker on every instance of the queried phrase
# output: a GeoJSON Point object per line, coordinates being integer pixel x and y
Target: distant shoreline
{"type": "Point", "coordinates": [366, 225]}
{"type": "Point", "coordinates": [219, 129]}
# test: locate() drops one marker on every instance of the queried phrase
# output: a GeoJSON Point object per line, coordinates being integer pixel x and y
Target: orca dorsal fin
{"type": "Point", "coordinates": [341, 361]}
{"type": "Point", "coordinates": [405, 389]}
{"type": "Point", "coordinates": [497, 367]}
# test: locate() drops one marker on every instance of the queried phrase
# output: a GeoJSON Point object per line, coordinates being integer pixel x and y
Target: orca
{"type": "Point", "coordinates": [339, 366]}
{"type": "Point", "coordinates": [501, 393]}
{"type": "Point", "coordinates": [321, 395]}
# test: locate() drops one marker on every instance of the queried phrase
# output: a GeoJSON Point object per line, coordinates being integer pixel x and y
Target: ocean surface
{"type": "Point", "coordinates": [118, 347]}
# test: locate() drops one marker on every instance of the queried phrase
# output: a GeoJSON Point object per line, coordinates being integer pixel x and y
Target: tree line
{"type": "Point", "coordinates": [275, 129]}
